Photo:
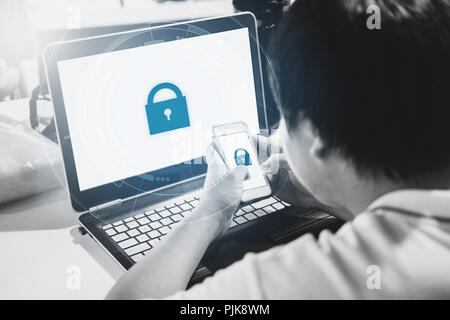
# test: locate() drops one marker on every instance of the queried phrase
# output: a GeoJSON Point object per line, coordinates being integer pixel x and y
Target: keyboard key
{"type": "Point", "coordinates": [149, 212]}
{"type": "Point", "coordinates": [194, 203]}
{"type": "Point", "coordinates": [155, 217]}
{"type": "Point", "coordinates": [175, 210]}
{"type": "Point", "coordinates": [240, 220]}
{"type": "Point", "coordinates": [233, 224]}
{"type": "Point", "coordinates": [262, 203]}
{"type": "Point", "coordinates": [121, 228]}
{"type": "Point", "coordinates": [137, 257]}
{"type": "Point", "coordinates": [247, 208]}
{"type": "Point", "coordinates": [164, 230]}
{"type": "Point", "coordinates": [269, 209]}
{"type": "Point", "coordinates": [119, 237]}
{"type": "Point", "coordinates": [127, 243]}
{"type": "Point", "coordinates": [286, 204]}
{"type": "Point", "coordinates": [166, 221]}
{"type": "Point", "coordinates": [159, 209]}
{"type": "Point", "coordinates": [142, 238]}
{"type": "Point", "coordinates": [155, 225]}
{"type": "Point", "coordinates": [278, 206]}
{"type": "Point", "coordinates": [170, 205]}
{"type": "Point", "coordinates": [260, 212]}
{"type": "Point", "coordinates": [111, 232]}
{"type": "Point", "coordinates": [177, 217]}
{"type": "Point", "coordinates": [239, 213]}
{"type": "Point", "coordinates": [118, 223]}
{"type": "Point", "coordinates": [250, 216]}
{"type": "Point", "coordinates": [144, 220]}
{"type": "Point", "coordinates": [144, 229]}
{"type": "Point", "coordinates": [132, 224]}
{"type": "Point", "coordinates": [141, 215]}
{"type": "Point", "coordinates": [165, 213]}
{"type": "Point", "coordinates": [137, 249]}
{"type": "Point", "coordinates": [107, 226]}
{"type": "Point", "coordinates": [154, 234]}
{"type": "Point", "coordinates": [185, 206]}
{"type": "Point", "coordinates": [184, 213]}
{"type": "Point", "coordinates": [180, 202]}
{"type": "Point", "coordinates": [154, 242]}
{"type": "Point", "coordinates": [129, 219]}
{"type": "Point", "coordinates": [133, 233]}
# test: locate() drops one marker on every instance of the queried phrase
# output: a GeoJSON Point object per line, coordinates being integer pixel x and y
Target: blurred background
{"type": "Point", "coordinates": [27, 26]}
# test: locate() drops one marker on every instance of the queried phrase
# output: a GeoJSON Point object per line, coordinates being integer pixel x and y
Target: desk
{"type": "Point", "coordinates": [41, 249]}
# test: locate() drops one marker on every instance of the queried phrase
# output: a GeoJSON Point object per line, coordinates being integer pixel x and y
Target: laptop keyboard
{"type": "Point", "coordinates": [138, 234]}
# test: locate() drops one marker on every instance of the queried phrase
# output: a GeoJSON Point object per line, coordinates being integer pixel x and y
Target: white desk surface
{"type": "Point", "coordinates": [40, 244]}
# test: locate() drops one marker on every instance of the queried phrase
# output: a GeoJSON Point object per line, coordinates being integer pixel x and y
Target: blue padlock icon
{"type": "Point", "coordinates": [169, 114]}
{"type": "Point", "coordinates": [242, 157]}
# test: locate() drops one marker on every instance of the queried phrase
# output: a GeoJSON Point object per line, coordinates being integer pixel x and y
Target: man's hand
{"type": "Point", "coordinates": [169, 266]}
{"type": "Point", "coordinates": [285, 185]}
{"type": "Point", "coordinates": [222, 191]}
{"type": "Point", "coordinates": [283, 182]}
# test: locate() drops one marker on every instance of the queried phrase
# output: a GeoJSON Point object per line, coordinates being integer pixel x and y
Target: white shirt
{"type": "Point", "coordinates": [398, 248]}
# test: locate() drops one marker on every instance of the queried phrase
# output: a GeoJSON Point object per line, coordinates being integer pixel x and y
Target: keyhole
{"type": "Point", "coordinates": [167, 113]}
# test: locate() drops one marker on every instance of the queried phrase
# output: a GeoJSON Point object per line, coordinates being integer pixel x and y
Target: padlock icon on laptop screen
{"type": "Point", "coordinates": [166, 115]}
{"type": "Point", "coordinates": [242, 157]}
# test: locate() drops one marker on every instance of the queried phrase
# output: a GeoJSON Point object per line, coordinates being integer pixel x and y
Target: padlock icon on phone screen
{"type": "Point", "coordinates": [242, 157]}
{"type": "Point", "coordinates": [166, 115]}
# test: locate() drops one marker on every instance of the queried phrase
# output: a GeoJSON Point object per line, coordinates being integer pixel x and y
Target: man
{"type": "Point", "coordinates": [364, 129]}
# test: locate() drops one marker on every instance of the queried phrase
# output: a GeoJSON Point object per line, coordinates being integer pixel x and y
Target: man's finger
{"type": "Point", "coordinates": [216, 167]}
{"type": "Point", "coordinates": [272, 165]}
{"type": "Point", "coordinates": [212, 157]}
{"type": "Point", "coordinates": [266, 145]}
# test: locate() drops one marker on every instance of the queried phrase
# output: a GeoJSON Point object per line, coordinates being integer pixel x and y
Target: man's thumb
{"type": "Point", "coordinates": [239, 174]}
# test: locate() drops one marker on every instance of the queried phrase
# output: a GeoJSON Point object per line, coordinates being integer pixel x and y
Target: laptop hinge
{"type": "Point", "coordinates": [105, 205]}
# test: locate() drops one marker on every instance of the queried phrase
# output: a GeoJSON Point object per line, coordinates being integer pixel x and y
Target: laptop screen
{"type": "Point", "coordinates": [150, 107]}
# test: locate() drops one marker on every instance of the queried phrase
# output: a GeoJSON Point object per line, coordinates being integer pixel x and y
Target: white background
{"type": "Point", "coordinates": [105, 97]}
{"type": "Point", "coordinates": [229, 144]}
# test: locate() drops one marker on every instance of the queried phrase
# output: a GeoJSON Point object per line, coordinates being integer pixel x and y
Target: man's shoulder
{"type": "Point", "coordinates": [434, 204]}
{"type": "Point", "coordinates": [403, 218]}
{"type": "Point", "coordinates": [408, 249]}
{"type": "Point", "coordinates": [406, 208]}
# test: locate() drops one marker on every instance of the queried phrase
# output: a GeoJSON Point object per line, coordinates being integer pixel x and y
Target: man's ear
{"type": "Point", "coordinates": [317, 147]}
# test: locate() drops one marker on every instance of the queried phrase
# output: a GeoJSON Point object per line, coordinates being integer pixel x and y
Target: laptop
{"type": "Point", "coordinates": [133, 182]}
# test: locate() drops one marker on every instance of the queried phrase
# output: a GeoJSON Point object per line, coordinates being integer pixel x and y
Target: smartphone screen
{"type": "Point", "coordinates": [237, 149]}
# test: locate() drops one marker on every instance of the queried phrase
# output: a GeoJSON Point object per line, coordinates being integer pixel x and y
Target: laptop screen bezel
{"type": "Point", "coordinates": [132, 186]}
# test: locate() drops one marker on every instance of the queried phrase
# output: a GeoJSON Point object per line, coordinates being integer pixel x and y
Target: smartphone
{"type": "Point", "coordinates": [235, 146]}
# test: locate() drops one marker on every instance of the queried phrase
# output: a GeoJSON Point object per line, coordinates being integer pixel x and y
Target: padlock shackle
{"type": "Point", "coordinates": [239, 149]}
{"type": "Point", "coordinates": [247, 155]}
{"type": "Point", "coordinates": [163, 85]}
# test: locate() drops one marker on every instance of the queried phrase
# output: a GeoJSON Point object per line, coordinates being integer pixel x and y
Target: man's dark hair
{"type": "Point", "coordinates": [379, 97]}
